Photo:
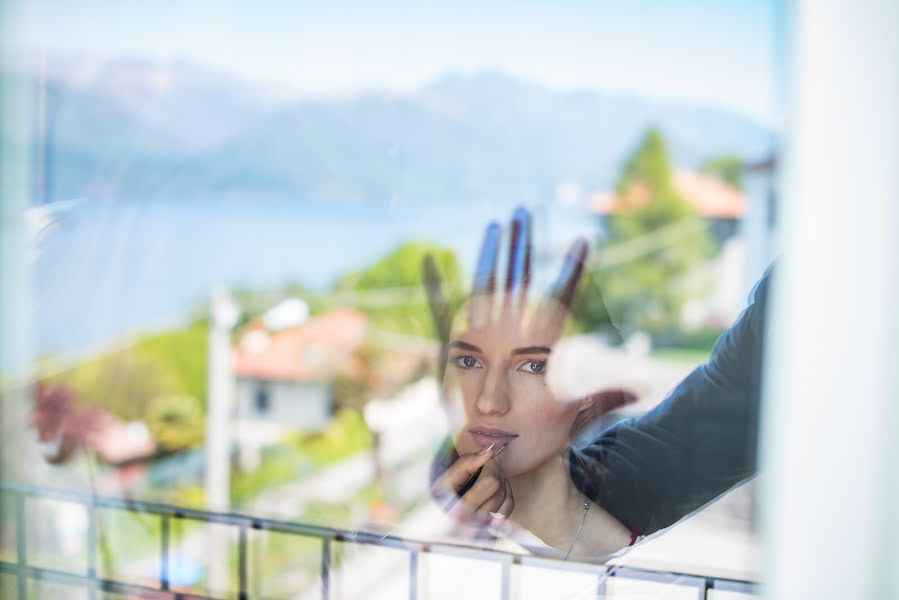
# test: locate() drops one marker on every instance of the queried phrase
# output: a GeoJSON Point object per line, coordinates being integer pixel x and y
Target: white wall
{"type": "Point", "coordinates": [292, 405]}
{"type": "Point", "coordinates": [756, 227]}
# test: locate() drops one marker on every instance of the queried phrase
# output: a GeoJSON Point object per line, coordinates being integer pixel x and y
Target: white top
{"type": "Point", "coordinates": [521, 539]}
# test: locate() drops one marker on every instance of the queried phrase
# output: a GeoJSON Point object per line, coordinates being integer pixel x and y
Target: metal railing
{"type": "Point", "coordinates": [93, 583]}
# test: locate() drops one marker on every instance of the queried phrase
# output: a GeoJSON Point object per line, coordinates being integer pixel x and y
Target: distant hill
{"type": "Point", "coordinates": [138, 130]}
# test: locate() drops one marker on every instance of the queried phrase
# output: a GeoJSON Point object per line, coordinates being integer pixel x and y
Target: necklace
{"type": "Point", "coordinates": [578, 534]}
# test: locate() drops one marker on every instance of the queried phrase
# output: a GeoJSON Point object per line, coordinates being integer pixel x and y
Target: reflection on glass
{"type": "Point", "coordinates": [512, 463]}
{"type": "Point", "coordinates": [250, 235]}
{"type": "Point", "coordinates": [511, 429]}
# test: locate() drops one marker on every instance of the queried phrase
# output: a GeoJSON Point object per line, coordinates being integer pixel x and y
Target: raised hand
{"type": "Point", "coordinates": [507, 306]}
{"type": "Point", "coordinates": [494, 359]}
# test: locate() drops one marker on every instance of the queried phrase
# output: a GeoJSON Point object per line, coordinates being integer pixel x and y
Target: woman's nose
{"type": "Point", "coordinates": [494, 395]}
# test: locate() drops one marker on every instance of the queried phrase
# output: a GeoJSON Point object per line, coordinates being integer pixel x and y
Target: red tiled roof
{"type": "Point", "coordinates": [708, 195]}
{"type": "Point", "coordinates": [313, 351]}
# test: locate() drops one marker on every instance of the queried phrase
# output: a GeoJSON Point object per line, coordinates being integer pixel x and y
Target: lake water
{"type": "Point", "coordinates": [108, 269]}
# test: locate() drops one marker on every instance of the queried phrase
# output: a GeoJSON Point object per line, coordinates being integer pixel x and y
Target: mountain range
{"type": "Point", "coordinates": [138, 130]}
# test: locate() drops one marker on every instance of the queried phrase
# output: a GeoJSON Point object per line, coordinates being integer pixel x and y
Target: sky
{"type": "Point", "coordinates": [723, 53]}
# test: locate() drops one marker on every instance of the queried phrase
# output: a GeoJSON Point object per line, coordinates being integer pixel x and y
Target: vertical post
{"type": "Point", "coordinates": [831, 453]}
{"type": "Point", "coordinates": [91, 508]}
{"type": "Point", "coordinates": [15, 306]}
{"type": "Point", "coordinates": [222, 317]}
{"type": "Point", "coordinates": [242, 562]}
{"type": "Point", "coordinates": [164, 552]}
{"type": "Point", "coordinates": [601, 586]}
{"type": "Point", "coordinates": [326, 569]}
{"type": "Point", "coordinates": [505, 590]}
{"type": "Point", "coordinates": [21, 548]}
{"type": "Point", "coordinates": [413, 574]}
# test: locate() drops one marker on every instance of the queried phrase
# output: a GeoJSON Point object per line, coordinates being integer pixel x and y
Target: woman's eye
{"type": "Point", "coordinates": [533, 366]}
{"type": "Point", "coordinates": [468, 362]}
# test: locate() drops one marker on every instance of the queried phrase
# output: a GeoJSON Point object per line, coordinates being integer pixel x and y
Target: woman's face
{"type": "Point", "coordinates": [496, 385]}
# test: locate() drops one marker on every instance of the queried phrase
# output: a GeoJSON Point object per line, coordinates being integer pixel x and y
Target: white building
{"type": "Point", "coordinates": [284, 377]}
{"type": "Point", "coordinates": [759, 223]}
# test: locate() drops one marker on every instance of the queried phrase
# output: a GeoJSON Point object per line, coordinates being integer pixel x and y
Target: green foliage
{"type": "Point", "coordinates": [649, 164]}
{"type": "Point", "coordinates": [280, 465]}
{"type": "Point", "coordinates": [391, 294]}
{"type": "Point", "coordinates": [390, 291]}
{"type": "Point", "coordinates": [122, 382]}
{"type": "Point", "coordinates": [176, 421]}
{"type": "Point", "coordinates": [189, 496]}
{"type": "Point", "coordinates": [346, 435]}
{"type": "Point", "coordinates": [124, 537]}
{"type": "Point", "coordinates": [700, 340]}
{"type": "Point", "coordinates": [589, 312]}
{"type": "Point", "coordinates": [125, 381]}
{"type": "Point", "coordinates": [728, 168]}
{"type": "Point", "coordinates": [181, 354]}
{"type": "Point", "coordinates": [648, 292]}
{"type": "Point", "coordinates": [690, 357]}
{"type": "Point", "coordinates": [282, 565]}
{"type": "Point", "coordinates": [301, 454]}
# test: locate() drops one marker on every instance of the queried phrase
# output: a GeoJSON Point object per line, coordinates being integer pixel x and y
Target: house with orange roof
{"type": "Point", "coordinates": [722, 205]}
{"type": "Point", "coordinates": [285, 376]}
{"type": "Point", "coordinates": [724, 208]}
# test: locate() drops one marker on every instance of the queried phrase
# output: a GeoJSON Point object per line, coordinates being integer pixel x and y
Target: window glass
{"type": "Point", "coordinates": [342, 267]}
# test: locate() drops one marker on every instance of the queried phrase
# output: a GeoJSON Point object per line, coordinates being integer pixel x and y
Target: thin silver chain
{"type": "Point", "coordinates": [578, 534]}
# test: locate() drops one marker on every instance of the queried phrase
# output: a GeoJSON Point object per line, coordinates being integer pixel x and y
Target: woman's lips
{"type": "Point", "coordinates": [485, 437]}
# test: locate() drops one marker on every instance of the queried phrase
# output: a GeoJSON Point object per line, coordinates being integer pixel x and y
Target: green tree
{"type": "Point", "coordinates": [390, 291]}
{"type": "Point", "coordinates": [175, 421]}
{"type": "Point", "coordinates": [728, 168]}
{"type": "Point", "coordinates": [589, 311]}
{"type": "Point", "coordinates": [658, 239]}
{"type": "Point", "coordinates": [391, 295]}
{"type": "Point", "coordinates": [124, 381]}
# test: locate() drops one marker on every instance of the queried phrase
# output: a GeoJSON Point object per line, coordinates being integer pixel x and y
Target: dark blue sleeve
{"type": "Point", "coordinates": [652, 470]}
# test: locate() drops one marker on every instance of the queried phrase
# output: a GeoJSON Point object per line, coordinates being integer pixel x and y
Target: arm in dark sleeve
{"type": "Point", "coordinates": [652, 470]}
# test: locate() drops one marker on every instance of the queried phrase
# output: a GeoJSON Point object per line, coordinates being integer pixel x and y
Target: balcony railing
{"type": "Point", "coordinates": [91, 582]}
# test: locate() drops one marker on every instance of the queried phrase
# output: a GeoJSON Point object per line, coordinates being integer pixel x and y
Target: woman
{"type": "Point", "coordinates": [507, 468]}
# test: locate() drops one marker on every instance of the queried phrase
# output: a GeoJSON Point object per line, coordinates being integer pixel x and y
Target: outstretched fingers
{"type": "Point", "coordinates": [484, 285]}
{"type": "Point", "coordinates": [440, 310]}
{"type": "Point", "coordinates": [518, 273]}
{"type": "Point", "coordinates": [555, 307]}
{"type": "Point", "coordinates": [570, 275]}
{"type": "Point", "coordinates": [485, 272]}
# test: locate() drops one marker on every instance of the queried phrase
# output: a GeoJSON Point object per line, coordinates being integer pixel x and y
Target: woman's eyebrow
{"type": "Point", "coordinates": [532, 350]}
{"type": "Point", "coordinates": [465, 346]}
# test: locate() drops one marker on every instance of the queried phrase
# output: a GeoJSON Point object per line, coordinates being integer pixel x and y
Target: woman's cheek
{"type": "Point", "coordinates": [551, 419]}
{"type": "Point", "coordinates": [540, 399]}
{"type": "Point", "coordinates": [454, 401]}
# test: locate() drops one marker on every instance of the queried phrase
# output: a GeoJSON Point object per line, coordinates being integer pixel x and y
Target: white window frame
{"type": "Point", "coordinates": [830, 445]}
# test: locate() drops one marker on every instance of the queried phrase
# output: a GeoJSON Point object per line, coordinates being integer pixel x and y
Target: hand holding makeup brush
{"type": "Point", "coordinates": [474, 489]}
